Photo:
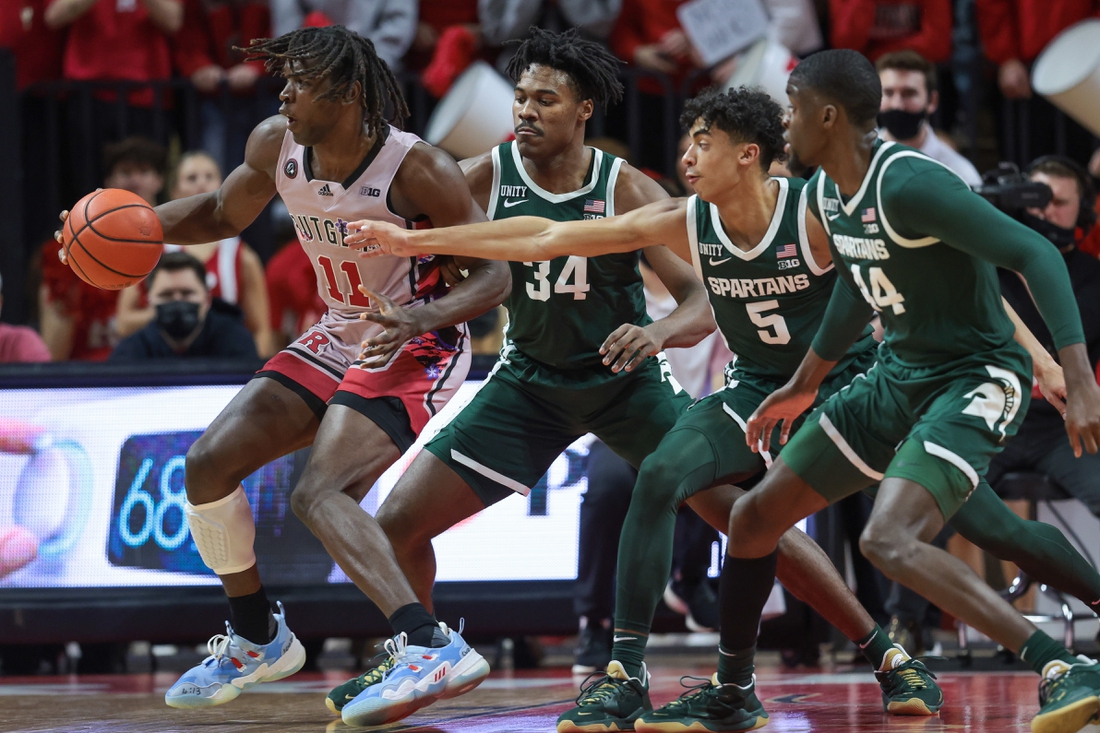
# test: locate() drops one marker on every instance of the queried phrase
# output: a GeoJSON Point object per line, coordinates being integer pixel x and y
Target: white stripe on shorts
{"type": "Point", "coordinates": [489, 473]}
{"type": "Point", "coordinates": [842, 444]}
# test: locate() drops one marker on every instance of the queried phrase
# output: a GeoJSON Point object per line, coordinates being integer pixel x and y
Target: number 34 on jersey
{"type": "Point", "coordinates": [573, 279]}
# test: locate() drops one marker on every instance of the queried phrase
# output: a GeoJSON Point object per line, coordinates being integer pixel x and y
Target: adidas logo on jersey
{"type": "Point", "coordinates": [757, 287]}
{"type": "Point", "coordinates": [860, 248]}
{"type": "Point", "coordinates": [324, 191]}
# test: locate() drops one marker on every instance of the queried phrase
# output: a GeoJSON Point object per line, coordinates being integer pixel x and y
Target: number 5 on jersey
{"type": "Point", "coordinates": [575, 267]}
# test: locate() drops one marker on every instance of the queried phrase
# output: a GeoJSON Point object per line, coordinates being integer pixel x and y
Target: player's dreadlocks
{"type": "Point", "coordinates": [345, 58]}
{"type": "Point", "coordinates": [746, 114]}
{"type": "Point", "coordinates": [590, 67]}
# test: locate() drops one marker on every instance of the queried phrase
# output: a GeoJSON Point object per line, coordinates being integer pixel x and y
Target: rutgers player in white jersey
{"type": "Point", "coordinates": [358, 386]}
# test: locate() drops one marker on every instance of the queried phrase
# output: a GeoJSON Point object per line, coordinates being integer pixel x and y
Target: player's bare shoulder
{"type": "Point", "coordinates": [479, 176]}
{"type": "Point", "coordinates": [426, 174]}
{"type": "Point", "coordinates": [635, 189]}
{"type": "Point", "coordinates": [264, 144]}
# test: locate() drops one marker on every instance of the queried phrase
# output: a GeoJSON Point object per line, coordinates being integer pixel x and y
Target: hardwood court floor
{"type": "Point", "coordinates": [526, 702]}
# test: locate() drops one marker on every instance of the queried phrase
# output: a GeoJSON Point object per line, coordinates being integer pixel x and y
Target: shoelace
{"type": "Point", "coordinates": [597, 688]}
{"type": "Point", "coordinates": [693, 691]}
{"type": "Point", "coordinates": [218, 646]}
{"type": "Point", "coordinates": [912, 676]}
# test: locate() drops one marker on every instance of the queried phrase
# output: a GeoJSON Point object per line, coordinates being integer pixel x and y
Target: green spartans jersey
{"type": "Point", "coordinates": [769, 301]}
{"type": "Point", "coordinates": [938, 304]}
{"type": "Point", "coordinates": [561, 311]}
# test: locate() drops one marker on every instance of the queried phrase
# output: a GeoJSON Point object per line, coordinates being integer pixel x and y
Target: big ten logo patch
{"type": "Point", "coordinates": [370, 191]}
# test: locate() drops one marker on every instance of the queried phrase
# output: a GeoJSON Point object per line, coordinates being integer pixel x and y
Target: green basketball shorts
{"type": "Point", "coordinates": [721, 419]}
{"type": "Point", "coordinates": [937, 427]}
{"type": "Point", "coordinates": [515, 426]}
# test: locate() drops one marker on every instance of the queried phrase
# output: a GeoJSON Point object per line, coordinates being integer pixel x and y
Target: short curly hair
{"type": "Point", "coordinates": [746, 114]}
{"type": "Point", "coordinates": [592, 69]}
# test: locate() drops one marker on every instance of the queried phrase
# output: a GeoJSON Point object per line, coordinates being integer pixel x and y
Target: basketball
{"type": "Point", "coordinates": [112, 238]}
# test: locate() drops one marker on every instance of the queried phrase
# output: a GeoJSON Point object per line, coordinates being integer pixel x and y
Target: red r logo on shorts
{"type": "Point", "coordinates": [314, 341]}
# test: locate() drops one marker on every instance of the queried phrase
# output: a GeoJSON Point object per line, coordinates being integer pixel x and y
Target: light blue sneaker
{"type": "Point", "coordinates": [418, 677]}
{"type": "Point", "coordinates": [234, 665]}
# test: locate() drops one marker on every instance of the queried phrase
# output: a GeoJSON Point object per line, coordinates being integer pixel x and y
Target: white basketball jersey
{"type": "Point", "coordinates": [321, 211]}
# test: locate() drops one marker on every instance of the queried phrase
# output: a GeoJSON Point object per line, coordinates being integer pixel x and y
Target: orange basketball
{"type": "Point", "coordinates": [112, 238]}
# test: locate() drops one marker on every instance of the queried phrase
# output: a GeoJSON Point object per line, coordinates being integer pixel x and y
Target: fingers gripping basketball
{"type": "Point", "coordinates": [112, 238]}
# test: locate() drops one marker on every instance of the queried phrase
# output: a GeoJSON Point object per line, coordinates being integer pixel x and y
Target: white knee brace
{"type": "Point", "coordinates": [224, 533]}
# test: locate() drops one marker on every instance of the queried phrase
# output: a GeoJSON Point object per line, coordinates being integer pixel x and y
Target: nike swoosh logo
{"type": "Point", "coordinates": [624, 638]}
{"type": "Point", "coordinates": [715, 263]}
{"type": "Point", "coordinates": [832, 217]}
{"type": "Point", "coordinates": [510, 204]}
{"type": "Point", "coordinates": [864, 646]}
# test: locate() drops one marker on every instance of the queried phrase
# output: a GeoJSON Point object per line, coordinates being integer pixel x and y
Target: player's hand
{"type": "Point", "coordinates": [1083, 419]}
{"type": "Point", "coordinates": [400, 326]}
{"type": "Point", "coordinates": [376, 238]}
{"type": "Point", "coordinates": [782, 407]}
{"type": "Point", "coordinates": [1052, 383]}
{"type": "Point", "coordinates": [628, 346]}
{"type": "Point", "coordinates": [60, 239]}
{"type": "Point", "coordinates": [450, 270]}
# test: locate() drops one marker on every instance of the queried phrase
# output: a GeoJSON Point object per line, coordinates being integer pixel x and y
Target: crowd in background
{"type": "Point", "coordinates": [432, 42]}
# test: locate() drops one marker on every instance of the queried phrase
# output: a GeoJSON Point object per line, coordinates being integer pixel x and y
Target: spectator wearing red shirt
{"type": "Point", "coordinates": [77, 319]}
{"type": "Point", "coordinates": [203, 52]}
{"type": "Point", "coordinates": [19, 344]}
{"type": "Point", "coordinates": [648, 36]}
{"type": "Point", "coordinates": [38, 50]}
{"type": "Point", "coordinates": [124, 40]}
{"type": "Point", "coordinates": [877, 27]}
{"type": "Point", "coordinates": [1013, 34]}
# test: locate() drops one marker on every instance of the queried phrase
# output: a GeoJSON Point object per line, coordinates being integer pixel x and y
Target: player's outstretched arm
{"type": "Point", "coordinates": [429, 183]}
{"type": "Point", "coordinates": [938, 204]}
{"type": "Point", "coordinates": [525, 238]}
{"type": "Point", "coordinates": [1052, 382]}
{"type": "Point", "coordinates": [242, 196]}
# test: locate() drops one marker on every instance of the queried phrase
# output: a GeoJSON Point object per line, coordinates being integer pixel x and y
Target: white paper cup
{"type": "Point", "coordinates": [1067, 73]}
{"type": "Point", "coordinates": [475, 115]}
{"type": "Point", "coordinates": [765, 64]}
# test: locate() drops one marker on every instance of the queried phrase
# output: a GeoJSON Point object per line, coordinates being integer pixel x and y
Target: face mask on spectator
{"type": "Point", "coordinates": [178, 318]}
{"type": "Point", "coordinates": [902, 124]}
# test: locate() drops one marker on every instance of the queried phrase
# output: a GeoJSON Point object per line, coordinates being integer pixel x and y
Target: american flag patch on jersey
{"type": "Point", "coordinates": [594, 206]}
{"type": "Point", "coordinates": [868, 214]}
{"type": "Point", "coordinates": [787, 250]}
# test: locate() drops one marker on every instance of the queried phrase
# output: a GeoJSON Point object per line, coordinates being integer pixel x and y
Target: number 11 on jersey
{"type": "Point", "coordinates": [351, 272]}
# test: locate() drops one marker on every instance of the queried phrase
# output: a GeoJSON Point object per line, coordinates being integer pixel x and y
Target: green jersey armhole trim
{"type": "Point", "coordinates": [494, 192]}
{"type": "Point", "coordinates": [898, 239]}
{"type": "Point", "coordinates": [804, 236]}
{"type": "Point", "coordinates": [853, 203]}
{"type": "Point", "coordinates": [612, 181]}
{"type": "Point", "coordinates": [558, 198]}
{"type": "Point", "coordinates": [821, 204]}
{"type": "Point", "coordinates": [696, 258]}
{"type": "Point", "coordinates": [769, 236]}
{"type": "Point", "coordinates": [693, 234]}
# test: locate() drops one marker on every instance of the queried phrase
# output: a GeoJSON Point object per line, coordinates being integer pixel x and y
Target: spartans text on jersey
{"type": "Point", "coordinates": [757, 287]}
